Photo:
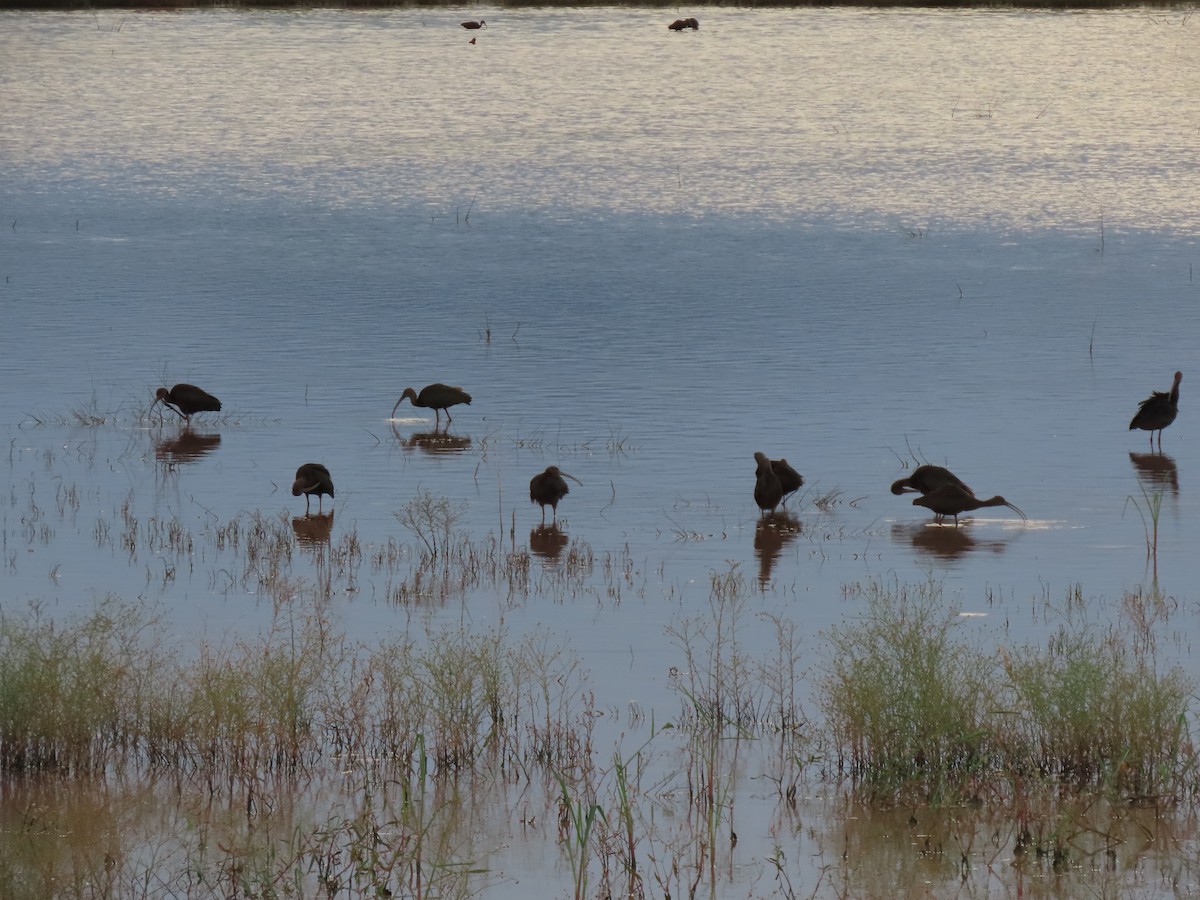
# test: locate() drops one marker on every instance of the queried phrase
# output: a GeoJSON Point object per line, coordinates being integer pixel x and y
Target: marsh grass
{"type": "Point", "coordinates": [916, 712]}
{"type": "Point", "coordinates": [717, 681]}
{"type": "Point", "coordinates": [400, 734]}
{"type": "Point", "coordinates": [1092, 711]}
{"type": "Point", "coordinates": [71, 697]}
{"type": "Point", "coordinates": [1153, 508]}
{"type": "Point", "coordinates": [87, 695]}
{"type": "Point", "coordinates": [431, 519]}
{"type": "Point", "coordinates": [448, 564]}
{"type": "Point", "coordinates": [905, 698]}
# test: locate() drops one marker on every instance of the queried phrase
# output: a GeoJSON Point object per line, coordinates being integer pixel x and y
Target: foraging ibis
{"type": "Point", "coordinates": [187, 400]}
{"type": "Point", "coordinates": [436, 397]}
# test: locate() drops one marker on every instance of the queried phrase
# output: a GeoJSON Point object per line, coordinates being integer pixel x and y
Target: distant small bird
{"type": "Point", "coordinates": [928, 478]}
{"type": "Point", "coordinates": [1158, 411]}
{"type": "Point", "coordinates": [681, 24]}
{"type": "Point", "coordinates": [952, 500]}
{"type": "Point", "coordinates": [312, 478]}
{"type": "Point", "coordinates": [187, 400]}
{"type": "Point", "coordinates": [789, 479]}
{"type": "Point", "coordinates": [768, 490]}
{"type": "Point", "coordinates": [471, 41]}
{"type": "Point", "coordinates": [436, 397]}
{"type": "Point", "coordinates": [548, 487]}
{"type": "Point", "coordinates": [473, 25]}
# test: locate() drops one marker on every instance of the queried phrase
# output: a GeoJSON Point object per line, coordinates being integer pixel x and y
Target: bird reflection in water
{"type": "Point", "coordinates": [771, 534]}
{"type": "Point", "coordinates": [187, 446]}
{"type": "Point", "coordinates": [547, 541]}
{"type": "Point", "coordinates": [1156, 471]}
{"type": "Point", "coordinates": [943, 541]}
{"type": "Point", "coordinates": [433, 442]}
{"type": "Point", "coordinates": [313, 530]}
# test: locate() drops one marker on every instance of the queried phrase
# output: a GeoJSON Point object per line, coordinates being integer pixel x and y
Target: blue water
{"type": "Point", "coordinates": [859, 240]}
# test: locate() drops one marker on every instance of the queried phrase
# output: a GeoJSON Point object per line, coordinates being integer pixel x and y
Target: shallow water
{"type": "Point", "coordinates": [857, 239]}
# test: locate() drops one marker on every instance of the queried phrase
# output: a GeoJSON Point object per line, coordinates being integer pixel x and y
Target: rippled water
{"type": "Point", "coordinates": [857, 239]}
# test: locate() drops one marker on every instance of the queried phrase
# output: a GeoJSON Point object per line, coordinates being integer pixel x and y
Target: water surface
{"type": "Point", "coordinates": [854, 238]}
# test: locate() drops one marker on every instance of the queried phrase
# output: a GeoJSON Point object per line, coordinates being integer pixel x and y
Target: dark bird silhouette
{"type": "Point", "coordinates": [681, 24]}
{"type": "Point", "coordinates": [768, 491]}
{"type": "Point", "coordinates": [473, 25]}
{"type": "Point", "coordinates": [187, 400]}
{"type": "Point", "coordinates": [1158, 411]}
{"type": "Point", "coordinates": [312, 478]}
{"type": "Point", "coordinates": [789, 479]}
{"type": "Point", "coordinates": [548, 487]}
{"type": "Point", "coordinates": [951, 500]}
{"type": "Point", "coordinates": [436, 397]}
{"type": "Point", "coordinates": [928, 478]}
{"type": "Point", "coordinates": [471, 41]}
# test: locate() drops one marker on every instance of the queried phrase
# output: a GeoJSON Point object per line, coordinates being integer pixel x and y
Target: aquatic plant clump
{"type": "Point", "coordinates": [904, 701]}
{"type": "Point", "coordinates": [913, 708]}
{"type": "Point", "coordinates": [102, 693]}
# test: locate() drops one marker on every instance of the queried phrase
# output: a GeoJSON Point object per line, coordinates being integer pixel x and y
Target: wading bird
{"type": "Point", "coordinates": [187, 400]}
{"type": "Point", "coordinates": [473, 25]}
{"type": "Point", "coordinates": [548, 487]}
{"type": "Point", "coordinates": [436, 397]}
{"type": "Point", "coordinates": [312, 478]}
{"type": "Point", "coordinates": [1158, 411]}
{"type": "Point", "coordinates": [680, 24]}
{"type": "Point", "coordinates": [768, 492]}
{"type": "Point", "coordinates": [789, 479]}
{"type": "Point", "coordinates": [951, 500]}
{"type": "Point", "coordinates": [928, 478]}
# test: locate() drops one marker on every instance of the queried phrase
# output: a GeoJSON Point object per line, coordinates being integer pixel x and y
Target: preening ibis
{"type": "Point", "coordinates": [952, 500]}
{"type": "Point", "coordinates": [187, 400]}
{"type": "Point", "coordinates": [471, 26]}
{"type": "Point", "coordinates": [1158, 411]}
{"type": "Point", "coordinates": [312, 478]}
{"type": "Point", "coordinates": [789, 479]}
{"type": "Point", "coordinates": [768, 491]}
{"type": "Point", "coordinates": [928, 478]}
{"type": "Point", "coordinates": [548, 487]}
{"type": "Point", "coordinates": [436, 397]}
